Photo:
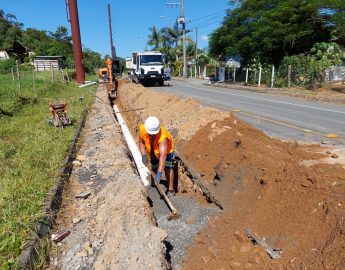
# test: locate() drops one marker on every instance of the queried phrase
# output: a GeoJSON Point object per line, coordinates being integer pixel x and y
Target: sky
{"type": "Point", "coordinates": [131, 19]}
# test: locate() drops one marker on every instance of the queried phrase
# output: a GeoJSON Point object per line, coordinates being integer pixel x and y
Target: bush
{"type": "Point", "coordinates": [301, 71]}
{"type": "Point", "coordinates": [7, 65]}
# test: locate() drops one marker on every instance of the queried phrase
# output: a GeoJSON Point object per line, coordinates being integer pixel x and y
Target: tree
{"type": "Point", "coordinates": [92, 60]}
{"type": "Point", "coordinates": [271, 29]}
{"type": "Point", "coordinates": [202, 60]}
{"type": "Point", "coordinates": [322, 56]}
{"type": "Point", "coordinates": [154, 38]}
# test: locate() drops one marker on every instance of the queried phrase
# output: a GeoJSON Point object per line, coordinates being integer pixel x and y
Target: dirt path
{"type": "Point", "coordinates": [278, 196]}
{"type": "Point", "coordinates": [113, 228]}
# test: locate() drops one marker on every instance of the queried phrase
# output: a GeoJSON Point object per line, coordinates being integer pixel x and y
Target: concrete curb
{"type": "Point", "coordinates": [33, 244]}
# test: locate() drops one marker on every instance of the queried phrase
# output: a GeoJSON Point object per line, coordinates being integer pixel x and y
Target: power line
{"type": "Point", "coordinates": [202, 26]}
{"type": "Point", "coordinates": [211, 14]}
{"type": "Point", "coordinates": [210, 19]}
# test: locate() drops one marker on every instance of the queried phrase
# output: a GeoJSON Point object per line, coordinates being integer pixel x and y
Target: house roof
{"type": "Point", "coordinates": [17, 48]}
{"type": "Point", "coordinates": [47, 57]}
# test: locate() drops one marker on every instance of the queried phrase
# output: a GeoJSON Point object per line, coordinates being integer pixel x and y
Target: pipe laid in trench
{"type": "Point", "coordinates": [193, 174]}
{"type": "Point", "coordinates": [87, 84]}
{"type": "Point", "coordinates": [144, 172]}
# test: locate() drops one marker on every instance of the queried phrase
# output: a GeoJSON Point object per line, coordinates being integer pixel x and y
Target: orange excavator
{"type": "Point", "coordinates": [109, 75]}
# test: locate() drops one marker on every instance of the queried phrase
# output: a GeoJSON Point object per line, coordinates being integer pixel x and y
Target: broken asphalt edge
{"type": "Point", "coordinates": [33, 244]}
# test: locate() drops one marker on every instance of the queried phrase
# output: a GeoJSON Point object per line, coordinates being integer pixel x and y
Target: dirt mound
{"type": "Point", "coordinates": [182, 117]}
{"type": "Point", "coordinates": [279, 198]}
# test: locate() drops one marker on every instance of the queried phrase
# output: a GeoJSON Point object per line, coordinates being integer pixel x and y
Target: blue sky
{"type": "Point", "coordinates": [130, 19]}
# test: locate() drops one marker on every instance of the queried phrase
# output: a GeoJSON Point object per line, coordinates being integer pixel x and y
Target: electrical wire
{"type": "Point", "coordinates": [217, 13]}
{"type": "Point", "coordinates": [202, 26]}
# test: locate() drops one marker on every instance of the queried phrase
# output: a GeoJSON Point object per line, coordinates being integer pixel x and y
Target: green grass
{"type": "Point", "coordinates": [31, 153]}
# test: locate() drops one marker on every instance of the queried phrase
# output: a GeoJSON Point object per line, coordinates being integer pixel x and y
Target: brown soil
{"type": "Point", "coordinates": [284, 194]}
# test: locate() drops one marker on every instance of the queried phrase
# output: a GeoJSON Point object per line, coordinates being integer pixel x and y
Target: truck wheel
{"type": "Point", "coordinates": [161, 83]}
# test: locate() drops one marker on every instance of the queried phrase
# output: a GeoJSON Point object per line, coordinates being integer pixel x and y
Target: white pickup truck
{"type": "Point", "coordinates": [146, 67]}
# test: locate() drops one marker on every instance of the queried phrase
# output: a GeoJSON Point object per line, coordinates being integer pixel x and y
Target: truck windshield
{"type": "Point", "coordinates": [151, 59]}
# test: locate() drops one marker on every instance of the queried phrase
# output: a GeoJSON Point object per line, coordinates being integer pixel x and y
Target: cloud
{"type": "Point", "coordinates": [204, 38]}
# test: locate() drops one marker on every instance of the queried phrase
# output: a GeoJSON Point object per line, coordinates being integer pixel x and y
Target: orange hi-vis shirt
{"type": "Point", "coordinates": [162, 134]}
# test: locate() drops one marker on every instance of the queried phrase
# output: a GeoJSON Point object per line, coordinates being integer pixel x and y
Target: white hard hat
{"type": "Point", "coordinates": [152, 125]}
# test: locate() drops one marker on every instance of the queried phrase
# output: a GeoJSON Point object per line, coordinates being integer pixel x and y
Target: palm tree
{"type": "Point", "coordinates": [154, 38]}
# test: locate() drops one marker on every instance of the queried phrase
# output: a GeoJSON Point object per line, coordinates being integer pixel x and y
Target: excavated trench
{"type": "Point", "coordinates": [193, 201]}
{"type": "Point", "coordinates": [274, 195]}
{"type": "Point", "coordinates": [277, 196]}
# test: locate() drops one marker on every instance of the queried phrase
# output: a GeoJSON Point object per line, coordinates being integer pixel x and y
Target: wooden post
{"type": "Point", "coordinates": [259, 81]}
{"type": "Point", "coordinates": [247, 70]}
{"type": "Point", "coordinates": [52, 71]}
{"type": "Point", "coordinates": [272, 78]}
{"type": "Point", "coordinates": [234, 74]}
{"type": "Point", "coordinates": [255, 76]}
{"type": "Point", "coordinates": [199, 71]}
{"type": "Point", "coordinates": [18, 78]}
{"type": "Point", "coordinates": [12, 74]}
{"type": "Point", "coordinates": [33, 78]}
{"type": "Point", "coordinates": [62, 76]}
{"type": "Point", "coordinates": [289, 75]}
{"type": "Point", "coordinates": [67, 74]}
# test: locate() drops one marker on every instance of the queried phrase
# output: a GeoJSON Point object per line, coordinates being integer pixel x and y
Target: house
{"type": "Point", "coordinates": [17, 51]}
{"type": "Point", "coordinates": [233, 60]}
{"type": "Point", "coordinates": [42, 63]}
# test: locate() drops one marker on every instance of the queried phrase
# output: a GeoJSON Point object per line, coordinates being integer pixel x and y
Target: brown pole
{"type": "Point", "coordinates": [112, 49]}
{"type": "Point", "coordinates": [77, 51]}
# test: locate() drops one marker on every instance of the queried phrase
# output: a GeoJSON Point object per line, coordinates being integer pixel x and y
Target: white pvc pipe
{"type": "Point", "coordinates": [87, 84]}
{"type": "Point", "coordinates": [144, 172]}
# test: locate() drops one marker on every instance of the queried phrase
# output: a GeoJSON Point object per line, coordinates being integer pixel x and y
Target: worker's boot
{"type": "Point", "coordinates": [171, 193]}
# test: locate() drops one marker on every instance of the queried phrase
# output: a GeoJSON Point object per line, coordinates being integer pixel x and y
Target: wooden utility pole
{"type": "Point", "coordinates": [77, 50]}
{"type": "Point", "coordinates": [112, 48]}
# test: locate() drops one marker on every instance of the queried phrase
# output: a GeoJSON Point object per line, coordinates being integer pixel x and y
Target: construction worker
{"type": "Point", "coordinates": [156, 144]}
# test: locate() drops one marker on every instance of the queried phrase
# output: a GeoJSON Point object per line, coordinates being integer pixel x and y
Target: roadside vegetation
{"type": "Point", "coordinates": [301, 39]}
{"type": "Point", "coordinates": [31, 152]}
{"type": "Point", "coordinates": [42, 42]}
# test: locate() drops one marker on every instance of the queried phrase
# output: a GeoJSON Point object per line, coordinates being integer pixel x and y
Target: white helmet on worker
{"type": "Point", "coordinates": [152, 125]}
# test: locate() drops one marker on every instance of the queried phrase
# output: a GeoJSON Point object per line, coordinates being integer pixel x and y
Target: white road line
{"type": "Point", "coordinates": [268, 120]}
{"type": "Point", "coordinates": [265, 99]}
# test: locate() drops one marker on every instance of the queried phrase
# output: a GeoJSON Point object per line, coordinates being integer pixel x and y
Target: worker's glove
{"type": "Point", "coordinates": [158, 177]}
{"type": "Point", "coordinates": [144, 159]}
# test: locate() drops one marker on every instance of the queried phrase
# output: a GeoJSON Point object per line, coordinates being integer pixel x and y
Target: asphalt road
{"type": "Point", "coordinates": [282, 117]}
